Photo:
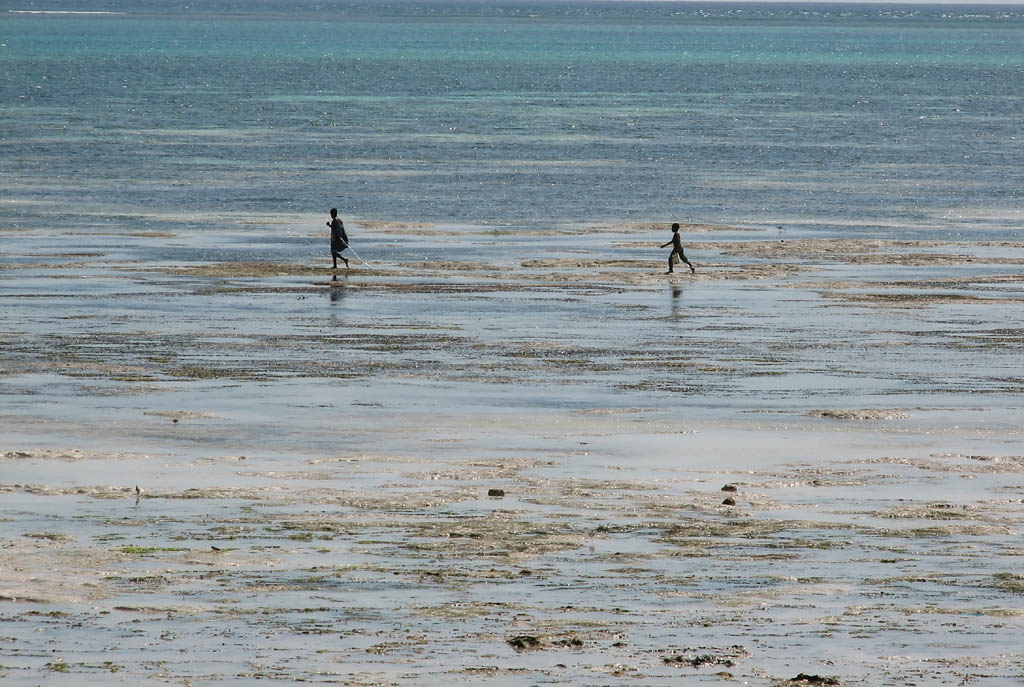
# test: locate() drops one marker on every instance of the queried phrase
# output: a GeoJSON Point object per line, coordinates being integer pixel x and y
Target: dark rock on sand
{"type": "Point", "coordinates": [805, 679]}
{"type": "Point", "coordinates": [729, 501]}
{"type": "Point", "coordinates": [698, 661]}
{"type": "Point", "coordinates": [524, 642]}
{"type": "Point", "coordinates": [497, 493]}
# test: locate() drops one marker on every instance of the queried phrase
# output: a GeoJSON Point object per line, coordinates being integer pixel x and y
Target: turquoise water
{"type": "Point", "coordinates": [882, 120]}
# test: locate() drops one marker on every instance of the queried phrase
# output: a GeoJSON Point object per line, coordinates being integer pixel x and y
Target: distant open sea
{"type": "Point", "coordinates": [892, 120]}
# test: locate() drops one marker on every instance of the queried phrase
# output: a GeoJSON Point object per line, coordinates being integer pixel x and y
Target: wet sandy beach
{"type": "Point", "coordinates": [508, 455]}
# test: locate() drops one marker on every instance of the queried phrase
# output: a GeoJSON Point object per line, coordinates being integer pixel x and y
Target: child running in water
{"type": "Point", "coordinates": [677, 249]}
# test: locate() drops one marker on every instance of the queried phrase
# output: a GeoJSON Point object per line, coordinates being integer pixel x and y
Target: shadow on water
{"type": "Point", "coordinates": [336, 290]}
{"type": "Point", "coordinates": [677, 292]}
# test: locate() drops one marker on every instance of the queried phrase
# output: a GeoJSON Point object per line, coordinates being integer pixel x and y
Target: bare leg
{"type": "Point", "coordinates": [670, 256]}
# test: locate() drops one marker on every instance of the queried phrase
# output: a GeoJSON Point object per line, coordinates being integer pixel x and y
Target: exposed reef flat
{"type": "Point", "coordinates": [490, 456]}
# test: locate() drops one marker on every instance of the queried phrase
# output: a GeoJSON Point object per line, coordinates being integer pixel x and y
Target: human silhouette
{"type": "Point", "coordinates": [677, 250]}
{"type": "Point", "coordinates": [339, 239]}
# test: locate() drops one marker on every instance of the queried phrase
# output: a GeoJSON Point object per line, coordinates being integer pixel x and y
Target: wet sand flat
{"type": "Point", "coordinates": [510, 455]}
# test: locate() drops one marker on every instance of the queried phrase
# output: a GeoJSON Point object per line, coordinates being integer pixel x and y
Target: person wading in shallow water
{"type": "Point", "coordinates": [677, 249]}
{"type": "Point", "coordinates": [339, 239]}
